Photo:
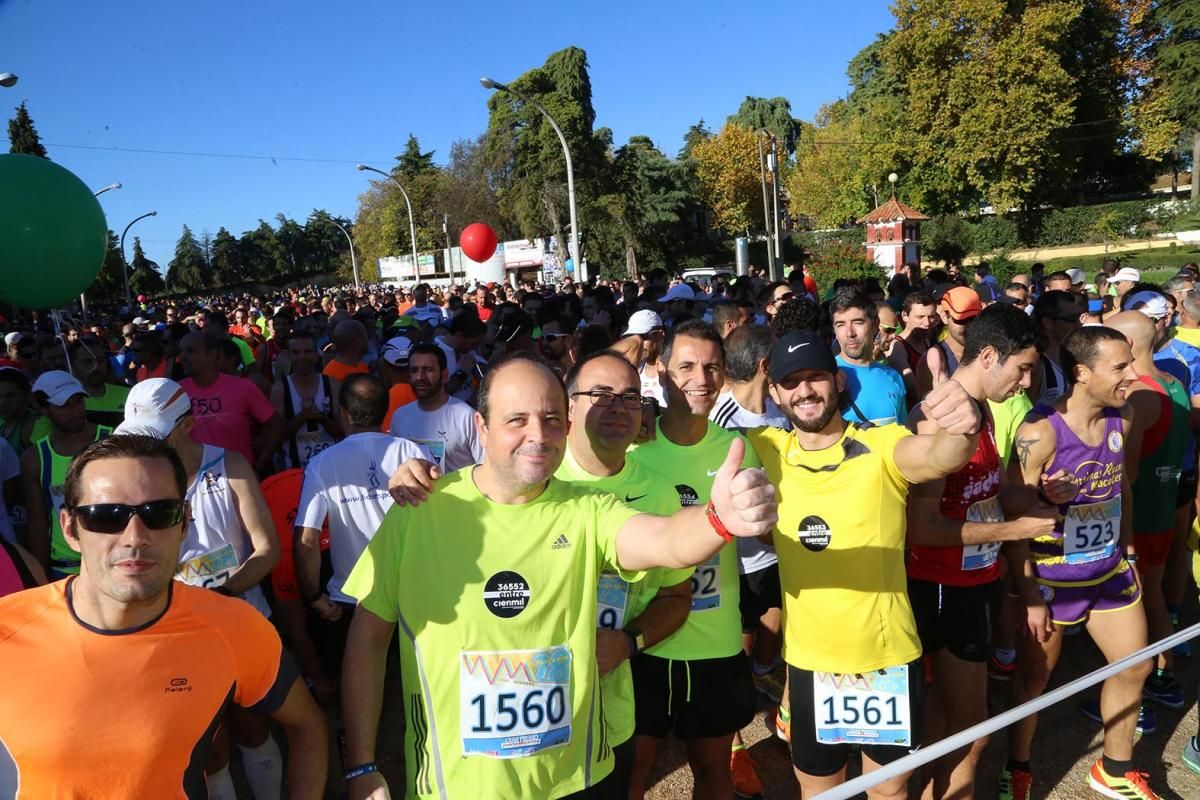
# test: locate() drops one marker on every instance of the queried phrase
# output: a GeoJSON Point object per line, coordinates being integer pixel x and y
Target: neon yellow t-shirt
{"type": "Point", "coordinates": [840, 540]}
{"type": "Point", "coordinates": [1007, 417]}
{"type": "Point", "coordinates": [109, 408]}
{"type": "Point", "coordinates": [1188, 335]}
{"type": "Point", "coordinates": [496, 609]}
{"type": "Point", "coordinates": [714, 625]}
{"type": "Point", "coordinates": [619, 601]}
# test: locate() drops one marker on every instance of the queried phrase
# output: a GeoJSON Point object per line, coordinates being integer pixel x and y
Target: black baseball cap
{"type": "Point", "coordinates": [799, 350]}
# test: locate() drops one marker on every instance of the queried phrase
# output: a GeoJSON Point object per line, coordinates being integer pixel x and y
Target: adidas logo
{"type": "Point", "coordinates": [561, 543]}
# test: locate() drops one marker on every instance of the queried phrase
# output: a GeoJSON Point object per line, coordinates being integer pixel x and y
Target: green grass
{"type": "Point", "coordinates": [1155, 265]}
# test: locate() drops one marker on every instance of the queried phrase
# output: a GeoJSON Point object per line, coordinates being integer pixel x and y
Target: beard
{"type": "Point", "coordinates": [815, 425]}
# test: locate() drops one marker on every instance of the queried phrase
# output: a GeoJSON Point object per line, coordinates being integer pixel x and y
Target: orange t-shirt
{"type": "Point", "coordinates": [399, 395]}
{"type": "Point", "coordinates": [339, 371]}
{"type": "Point", "coordinates": [120, 714]}
{"type": "Point", "coordinates": [282, 493]}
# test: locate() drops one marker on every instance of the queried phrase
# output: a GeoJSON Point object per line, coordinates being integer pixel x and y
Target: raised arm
{"type": "Point", "coordinates": [744, 502]}
{"type": "Point", "coordinates": [957, 421]}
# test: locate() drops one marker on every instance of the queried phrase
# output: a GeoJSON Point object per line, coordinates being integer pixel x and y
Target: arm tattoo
{"type": "Point", "coordinates": [1023, 447]}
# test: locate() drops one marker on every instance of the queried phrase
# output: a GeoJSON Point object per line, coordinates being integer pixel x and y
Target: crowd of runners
{"type": "Point", "coordinates": [578, 519]}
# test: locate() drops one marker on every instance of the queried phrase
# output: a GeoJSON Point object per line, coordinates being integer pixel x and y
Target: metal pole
{"type": "Point", "coordinates": [124, 263]}
{"type": "Point", "coordinates": [353, 260]}
{"type": "Point", "coordinates": [762, 168]}
{"type": "Point", "coordinates": [950, 744]}
{"type": "Point", "coordinates": [412, 228]}
{"type": "Point", "coordinates": [778, 272]}
{"type": "Point", "coordinates": [580, 272]}
{"type": "Point", "coordinates": [83, 295]}
{"type": "Point", "coordinates": [449, 254]}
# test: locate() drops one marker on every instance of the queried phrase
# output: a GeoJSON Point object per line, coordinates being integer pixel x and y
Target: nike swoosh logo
{"type": "Point", "coordinates": [796, 347]}
{"type": "Point", "coordinates": [712, 473]}
{"type": "Point", "coordinates": [629, 499]}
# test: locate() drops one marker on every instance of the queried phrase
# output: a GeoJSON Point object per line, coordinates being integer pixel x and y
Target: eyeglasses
{"type": "Point", "coordinates": [603, 398]}
{"type": "Point", "coordinates": [157, 515]}
{"type": "Point", "coordinates": [891, 328]}
{"type": "Point", "coordinates": [554, 337]}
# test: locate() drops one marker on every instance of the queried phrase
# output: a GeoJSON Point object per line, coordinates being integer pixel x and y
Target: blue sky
{"type": "Point", "coordinates": [336, 83]}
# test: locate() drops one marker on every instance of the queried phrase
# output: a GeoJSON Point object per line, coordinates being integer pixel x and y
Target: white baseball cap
{"type": "Point", "coordinates": [1076, 275]}
{"type": "Point", "coordinates": [396, 351]}
{"type": "Point", "coordinates": [642, 322]}
{"type": "Point", "coordinates": [1127, 274]}
{"type": "Point", "coordinates": [12, 338]}
{"type": "Point", "coordinates": [680, 291]}
{"type": "Point", "coordinates": [1152, 304]}
{"type": "Point", "coordinates": [154, 407]}
{"type": "Point", "coordinates": [58, 386]}
{"type": "Point", "coordinates": [140, 321]}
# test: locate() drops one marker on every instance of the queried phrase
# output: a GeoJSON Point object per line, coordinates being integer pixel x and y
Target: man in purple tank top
{"type": "Point", "coordinates": [1076, 454]}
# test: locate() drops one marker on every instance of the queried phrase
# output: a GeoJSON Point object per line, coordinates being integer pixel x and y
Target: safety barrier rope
{"type": "Point", "coordinates": [963, 738]}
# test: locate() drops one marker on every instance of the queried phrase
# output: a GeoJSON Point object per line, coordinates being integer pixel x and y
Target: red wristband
{"type": "Point", "coordinates": [718, 526]}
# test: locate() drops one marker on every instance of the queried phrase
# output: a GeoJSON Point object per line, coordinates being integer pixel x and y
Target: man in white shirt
{"type": "Point", "coordinates": [745, 402]}
{"type": "Point", "coordinates": [443, 425]}
{"type": "Point", "coordinates": [347, 485]}
{"type": "Point", "coordinates": [425, 312]}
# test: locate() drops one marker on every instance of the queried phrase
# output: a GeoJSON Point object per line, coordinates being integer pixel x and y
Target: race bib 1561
{"type": "Point", "coordinates": [871, 708]}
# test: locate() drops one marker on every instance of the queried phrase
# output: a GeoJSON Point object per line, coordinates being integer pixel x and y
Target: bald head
{"type": "Point", "coordinates": [1138, 328]}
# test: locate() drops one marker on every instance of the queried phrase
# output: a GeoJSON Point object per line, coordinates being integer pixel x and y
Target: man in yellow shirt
{"type": "Point", "coordinates": [850, 639]}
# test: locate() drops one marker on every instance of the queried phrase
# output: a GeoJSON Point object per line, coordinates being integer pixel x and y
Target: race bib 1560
{"type": "Point", "coordinates": [515, 702]}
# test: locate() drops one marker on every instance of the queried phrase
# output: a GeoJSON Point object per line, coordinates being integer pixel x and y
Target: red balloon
{"type": "Point", "coordinates": [478, 241]}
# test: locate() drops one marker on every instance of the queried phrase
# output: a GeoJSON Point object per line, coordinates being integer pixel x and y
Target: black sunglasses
{"type": "Point", "coordinates": [603, 398]}
{"type": "Point", "coordinates": [157, 515]}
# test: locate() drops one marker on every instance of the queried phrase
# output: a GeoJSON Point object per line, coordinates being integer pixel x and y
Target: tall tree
{"type": "Point", "coordinates": [186, 271]}
{"type": "Point", "coordinates": [144, 277]}
{"type": "Point", "coordinates": [525, 158]}
{"type": "Point", "coordinates": [727, 166]}
{"type": "Point", "coordinates": [774, 115]}
{"type": "Point", "coordinates": [262, 256]}
{"type": "Point", "coordinates": [412, 162]}
{"type": "Point", "coordinates": [695, 134]}
{"type": "Point", "coordinates": [1178, 65]}
{"type": "Point", "coordinates": [225, 258]}
{"type": "Point", "coordinates": [987, 92]}
{"type": "Point", "coordinates": [291, 241]}
{"type": "Point", "coordinates": [466, 195]}
{"type": "Point", "coordinates": [23, 136]}
{"type": "Point", "coordinates": [109, 283]}
{"type": "Point", "coordinates": [325, 245]}
{"type": "Point", "coordinates": [872, 76]}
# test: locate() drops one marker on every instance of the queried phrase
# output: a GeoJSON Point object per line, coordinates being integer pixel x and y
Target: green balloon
{"type": "Point", "coordinates": [53, 235]}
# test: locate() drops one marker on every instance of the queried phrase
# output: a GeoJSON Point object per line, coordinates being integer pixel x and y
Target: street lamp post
{"type": "Point", "coordinates": [412, 228]}
{"type": "Point", "coordinates": [488, 83]}
{"type": "Point", "coordinates": [7, 79]}
{"type": "Point", "coordinates": [83, 295]}
{"type": "Point", "coordinates": [124, 263]}
{"type": "Point", "coordinates": [353, 259]}
{"type": "Point", "coordinates": [762, 168]}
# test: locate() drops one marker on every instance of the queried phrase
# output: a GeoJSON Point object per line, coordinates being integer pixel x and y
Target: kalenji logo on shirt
{"type": "Point", "coordinates": [177, 685]}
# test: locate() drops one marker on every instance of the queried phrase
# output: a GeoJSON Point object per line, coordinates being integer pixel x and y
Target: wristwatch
{"type": "Point", "coordinates": [637, 641]}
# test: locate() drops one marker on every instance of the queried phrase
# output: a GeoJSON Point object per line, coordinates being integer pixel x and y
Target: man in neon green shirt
{"type": "Point", "coordinates": [492, 583]}
{"type": "Point", "coordinates": [697, 683]}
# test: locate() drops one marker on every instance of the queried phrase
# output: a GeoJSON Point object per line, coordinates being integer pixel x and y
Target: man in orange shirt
{"type": "Point", "coordinates": [393, 371]}
{"type": "Point", "coordinates": [127, 673]}
{"type": "Point", "coordinates": [350, 341]}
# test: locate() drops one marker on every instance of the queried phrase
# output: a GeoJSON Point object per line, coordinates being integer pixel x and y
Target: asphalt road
{"type": "Point", "coordinates": [1066, 746]}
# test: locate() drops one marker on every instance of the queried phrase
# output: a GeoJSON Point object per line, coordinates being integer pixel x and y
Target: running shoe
{"type": "Point", "coordinates": [1015, 784]}
{"type": "Point", "coordinates": [1147, 721]}
{"type": "Point", "coordinates": [745, 779]}
{"type": "Point", "coordinates": [1163, 689]}
{"type": "Point", "coordinates": [999, 671]}
{"type": "Point", "coordinates": [1191, 755]}
{"type": "Point", "coordinates": [770, 684]}
{"type": "Point", "coordinates": [783, 725]}
{"type": "Point", "coordinates": [1130, 786]}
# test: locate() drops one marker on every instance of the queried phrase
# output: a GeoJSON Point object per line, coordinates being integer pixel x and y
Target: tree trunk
{"type": "Point", "coordinates": [1195, 164]}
